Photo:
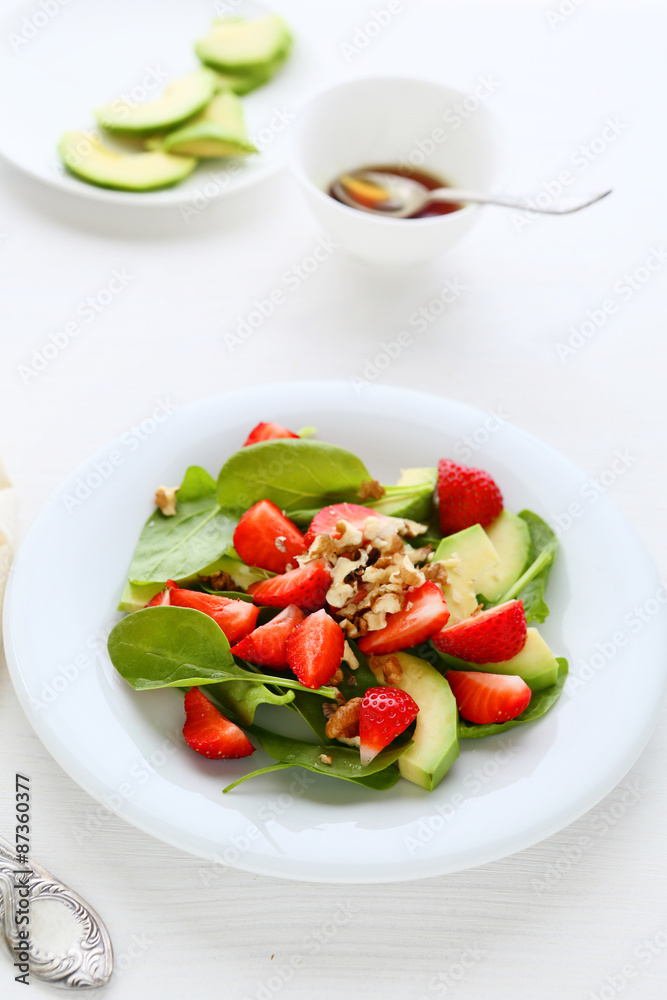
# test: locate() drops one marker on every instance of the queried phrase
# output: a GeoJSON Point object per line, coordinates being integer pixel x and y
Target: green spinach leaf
{"type": "Point", "coordinates": [294, 473]}
{"type": "Point", "coordinates": [531, 585]}
{"type": "Point", "coordinates": [180, 647]}
{"type": "Point", "coordinates": [177, 547]}
{"type": "Point", "coordinates": [242, 698]}
{"type": "Point", "coordinates": [540, 703]}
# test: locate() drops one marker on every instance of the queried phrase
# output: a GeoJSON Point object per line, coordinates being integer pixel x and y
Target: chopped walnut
{"type": "Point", "coordinates": [345, 721]}
{"type": "Point", "coordinates": [371, 490]}
{"type": "Point", "coordinates": [221, 581]}
{"type": "Point", "coordinates": [349, 657]}
{"type": "Point", "coordinates": [420, 555]}
{"type": "Point", "coordinates": [391, 670]}
{"type": "Point", "coordinates": [437, 572]}
{"type": "Point", "coordinates": [280, 543]}
{"type": "Point", "coordinates": [326, 759]}
{"type": "Point", "coordinates": [165, 498]}
{"type": "Point", "coordinates": [328, 709]}
{"type": "Point", "coordinates": [336, 679]}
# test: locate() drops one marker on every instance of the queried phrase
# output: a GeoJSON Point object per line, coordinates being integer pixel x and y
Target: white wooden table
{"type": "Point", "coordinates": [583, 914]}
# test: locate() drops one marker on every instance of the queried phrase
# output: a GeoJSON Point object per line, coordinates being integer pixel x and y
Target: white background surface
{"type": "Point", "coordinates": [563, 918]}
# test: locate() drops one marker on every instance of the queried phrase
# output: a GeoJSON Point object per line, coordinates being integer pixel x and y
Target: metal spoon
{"type": "Point", "coordinates": [399, 197]}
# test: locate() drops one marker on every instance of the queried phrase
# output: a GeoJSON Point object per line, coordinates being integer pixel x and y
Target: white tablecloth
{"type": "Point", "coordinates": [580, 88]}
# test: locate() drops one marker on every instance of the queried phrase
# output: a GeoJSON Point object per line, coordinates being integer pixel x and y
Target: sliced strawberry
{"type": "Point", "coordinates": [425, 612]}
{"type": "Point", "coordinates": [208, 732]}
{"type": "Point", "coordinates": [490, 637]}
{"type": "Point", "coordinates": [306, 587]}
{"type": "Point", "coordinates": [487, 698]}
{"type": "Point", "coordinates": [466, 497]}
{"type": "Point", "coordinates": [325, 521]}
{"type": "Point", "coordinates": [268, 432]}
{"type": "Point", "coordinates": [385, 713]}
{"type": "Point", "coordinates": [266, 646]}
{"type": "Point", "coordinates": [235, 618]}
{"type": "Point", "coordinates": [264, 537]}
{"type": "Point", "coordinates": [315, 649]}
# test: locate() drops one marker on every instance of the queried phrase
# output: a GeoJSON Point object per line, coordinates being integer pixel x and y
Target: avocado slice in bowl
{"type": "Point", "coordinates": [219, 130]}
{"type": "Point", "coordinates": [233, 44]}
{"type": "Point", "coordinates": [181, 100]}
{"type": "Point", "coordinates": [89, 159]}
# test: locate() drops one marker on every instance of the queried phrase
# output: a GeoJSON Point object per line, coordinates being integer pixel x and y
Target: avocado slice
{"type": "Point", "coordinates": [510, 537]}
{"type": "Point", "coordinates": [535, 663]}
{"type": "Point", "coordinates": [466, 555]}
{"type": "Point", "coordinates": [84, 155]}
{"type": "Point", "coordinates": [218, 130]}
{"type": "Point", "coordinates": [234, 44]}
{"type": "Point", "coordinates": [244, 82]}
{"type": "Point", "coordinates": [182, 99]}
{"type": "Point", "coordinates": [435, 744]}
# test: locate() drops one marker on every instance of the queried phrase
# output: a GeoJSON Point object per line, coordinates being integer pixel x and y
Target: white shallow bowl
{"type": "Point", "coordinates": [60, 61]}
{"type": "Point", "coordinates": [388, 121]}
{"type": "Point", "coordinates": [503, 794]}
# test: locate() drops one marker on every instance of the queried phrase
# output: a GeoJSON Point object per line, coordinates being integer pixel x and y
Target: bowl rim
{"type": "Point", "coordinates": [295, 165]}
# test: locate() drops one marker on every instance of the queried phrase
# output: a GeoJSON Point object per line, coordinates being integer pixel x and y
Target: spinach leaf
{"type": "Point", "coordinates": [242, 698]}
{"type": "Point", "coordinates": [540, 703]}
{"type": "Point", "coordinates": [176, 547]}
{"type": "Point", "coordinates": [345, 762]}
{"type": "Point", "coordinates": [414, 502]}
{"type": "Point", "coordinates": [180, 647]}
{"type": "Point", "coordinates": [309, 707]}
{"type": "Point", "coordinates": [294, 473]}
{"type": "Point", "coordinates": [232, 595]}
{"type": "Point", "coordinates": [532, 583]}
{"type": "Point", "coordinates": [255, 774]}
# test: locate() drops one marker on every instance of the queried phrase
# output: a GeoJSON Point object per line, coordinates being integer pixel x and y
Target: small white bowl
{"type": "Point", "coordinates": [386, 121]}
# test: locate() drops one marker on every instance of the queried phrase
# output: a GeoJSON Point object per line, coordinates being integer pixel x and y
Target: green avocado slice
{"type": "Point", "coordinates": [89, 159]}
{"type": "Point", "coordinates": [510, 537]}
{"type": "Point", "coordinates": [219, 130]}
{"type": "Point", "coordinates": [234, 44]}
{"type": "Point", "coordinates": [181, 99]}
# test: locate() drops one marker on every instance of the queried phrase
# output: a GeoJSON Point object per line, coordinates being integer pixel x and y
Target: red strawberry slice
{"type": "Point", "coordinates": [325, 521]}
{"type": "Point", "coordinates": [266, 646]}
{"type": "Point", "coordinates": [264, 537]}
{"type": "Point", "coordinates": [466, 496]}
{"type": "Point", "coordinates": [425, 612]}
{"type": "Point", "coordinates": [385, 713]}
{"type": "Point", "coordinates": [489, 637]}
{"type": "Point", "coordinates": [315, 649]}
{"type": "Point", "coordinates": [208, 732]}
{"type": "Point", "coordinates": [235, 618]}
{"type": "Point", "coordinates": [306, 587]}
{"type": "Point", "coordinates": [268, 432]}
{"type": "Point", "coordinates": [486, 698]}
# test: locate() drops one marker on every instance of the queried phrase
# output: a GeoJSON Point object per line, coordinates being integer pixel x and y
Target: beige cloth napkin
{"type": "Point", "coordinates": [7, 528]}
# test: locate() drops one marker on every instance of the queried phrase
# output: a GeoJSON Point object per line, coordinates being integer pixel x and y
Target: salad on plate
{"type": "Point", "coordinates": [374, 626]}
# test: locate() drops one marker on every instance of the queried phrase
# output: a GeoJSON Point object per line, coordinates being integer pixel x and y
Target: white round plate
{"type": "Point", "coordinates": [60, 61]}
{"type": "Point", "coordinates": [503, 793]}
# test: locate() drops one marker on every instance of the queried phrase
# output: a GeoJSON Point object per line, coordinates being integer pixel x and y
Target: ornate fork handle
{"type": "Point", "coordinates": [88, 962]}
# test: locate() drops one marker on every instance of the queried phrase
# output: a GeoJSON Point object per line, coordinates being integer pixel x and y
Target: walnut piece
{"type": "Point", "coordinates": [345, 720]}
{"type": "Point", "coordinates": [165, 498]}
{"type": "Point", "coordinates": [326, 759]}
{"type": "Point", "coordinates": [437, 572]}
{"type": "Point", "coordinates": [349, 657]}
{"type": "Point", "coordinates": [392, 670]}
{"type": "Point", "coordinates": [336, 679]}
{"type": "Point", "coordinates": [221, 581]}
{"type": "Point", "coordinates": [371, 490]}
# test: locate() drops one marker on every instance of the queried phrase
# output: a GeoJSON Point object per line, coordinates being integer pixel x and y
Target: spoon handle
{"type": "Point", "coordinates": [558, 206]}
{"type": "Point", "coordinates": [87, 962]}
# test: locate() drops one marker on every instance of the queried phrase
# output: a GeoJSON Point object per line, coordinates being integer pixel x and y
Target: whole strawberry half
{"type": "Point", "coordinates": [235, 618]}
{"type": "Point", "coordinates": [208, 732]}
{"type": "Point", "coordinates": [268, 432]}
{"type": "Point", "coordinates": [306, 587]}
{"type": "Point", "coordinates": [466, 497]}
{"type": "Point", "coordinates": [264, 537]}
{"type": "Point", "coordinates": [487, 698]}
{"type": "Point", "coordinates": [325, 521]}
{"type": "Point", "coordinates": [425, 613]}
{"type": "Point", "coordinates": [315, 649]}
{"type": "Point", "coordinates": [385, 713]}
{"type": "Point", "coordinates": [267, 645]}
{"type": "Point", "coordinates": [490, 637]}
